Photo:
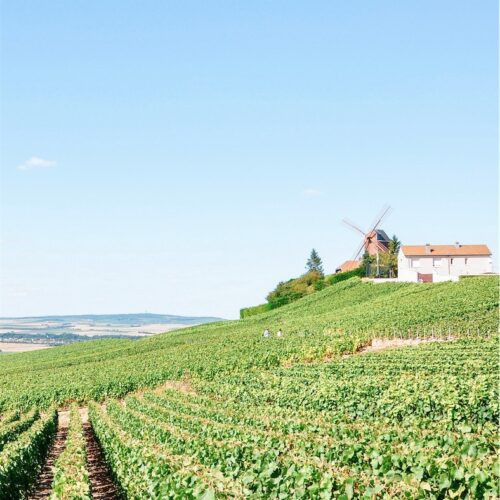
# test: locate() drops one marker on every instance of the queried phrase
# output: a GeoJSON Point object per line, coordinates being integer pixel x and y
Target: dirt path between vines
{"type": "Point", "coordinates": [43, 485]}
{"type": "Point", "coordinates": [382, 344]}
{"type": "Point", "coordinates": [101, 483]}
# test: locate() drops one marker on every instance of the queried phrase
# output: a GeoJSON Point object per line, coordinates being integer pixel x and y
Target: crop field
{"type": "Point", "coordinates": [335, 321]}
{"type": "Point", "coordinates": [218, 411]}
{"type": "Point", "coordinates": [409, 422]}
{"type": "Point", "coordinates": [24, 440]}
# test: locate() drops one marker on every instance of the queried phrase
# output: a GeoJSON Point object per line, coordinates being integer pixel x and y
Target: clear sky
{"type": "Point", "coordinates": [184, 156]}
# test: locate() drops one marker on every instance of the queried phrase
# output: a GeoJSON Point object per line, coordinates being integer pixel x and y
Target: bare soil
{"type": "Point", "coordinates": [100, 477]}
{"type": "Point", "coordinates": [381, 344]}
{"type": "Point", "coordinates": [179, 385]}
{"type": "Point", "coordinates": [43, 485]}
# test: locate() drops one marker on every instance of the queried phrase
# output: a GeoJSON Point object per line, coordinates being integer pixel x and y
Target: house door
{"type": "Point", "coordinates": [424, 278]}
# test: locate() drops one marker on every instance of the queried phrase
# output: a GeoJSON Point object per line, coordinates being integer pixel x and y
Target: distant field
{"type": "Point", "coordinates": [65, 329]}
{"type": "Point", "coordinates": [7, 347]}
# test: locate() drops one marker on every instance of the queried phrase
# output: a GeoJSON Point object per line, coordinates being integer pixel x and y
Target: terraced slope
{"type": "Point", "coordinates": [413, 422]}
{"type": "Point", "coordinates": [337, 320]}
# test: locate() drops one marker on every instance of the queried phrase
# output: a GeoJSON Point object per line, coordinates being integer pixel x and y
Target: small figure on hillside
{"type": "Point", "coordinates": [279, 333]}
{"type": "Point", "coordinates": [266, 333]}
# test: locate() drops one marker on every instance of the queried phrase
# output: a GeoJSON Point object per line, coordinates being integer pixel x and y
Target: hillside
{"type": "Point", "coordinates": [231, 414]}
{"type": "Point", "coordinates": [405, 423]}
{"type": "Point", "coordinates": [336, 320]}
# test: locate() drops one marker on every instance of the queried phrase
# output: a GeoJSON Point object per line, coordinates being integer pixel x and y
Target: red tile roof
{"type": "Point", "coordinates": [445, 250]}
{"type": "Point", "coordinates": [349, 265]}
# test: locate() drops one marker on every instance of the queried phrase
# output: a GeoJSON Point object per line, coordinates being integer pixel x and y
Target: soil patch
{"type": "Point", "coordinates": [179, 385]}
{"type": "Point", "coordinates": [381, 344]}
{"type": "Point", "coordinates": [43, 485]}
{"type": "Point", "coordinates": [100, 477]}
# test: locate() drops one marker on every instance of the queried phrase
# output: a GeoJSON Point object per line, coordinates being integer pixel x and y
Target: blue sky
{"type": "Point", "coordinates": [183, 157]}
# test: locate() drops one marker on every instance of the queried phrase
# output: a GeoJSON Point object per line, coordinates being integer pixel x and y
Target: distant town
{"type": "Point", "coordinates": [22, 334]}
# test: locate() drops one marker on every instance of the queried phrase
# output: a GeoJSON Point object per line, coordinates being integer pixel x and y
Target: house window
{"type": "Point", "coordinates": [415, 262]}
{"type": "Point", "coordinates": [451, 261]}
{"type": "Point", "coordinates": [465, 260]}
{"type": "Point", "coordinates": [436, 262]}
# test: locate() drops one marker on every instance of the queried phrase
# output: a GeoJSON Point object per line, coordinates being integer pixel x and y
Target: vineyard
{"type": "Point", "coordinates": [409, 423]}
{"type": "Point", "coordinates": [218, 411]}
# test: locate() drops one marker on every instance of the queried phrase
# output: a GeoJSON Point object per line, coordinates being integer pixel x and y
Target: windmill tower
{"type": "Point", "coordinates": [375, 241]}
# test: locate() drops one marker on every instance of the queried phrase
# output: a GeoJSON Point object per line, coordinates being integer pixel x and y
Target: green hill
{"type": "Point", "coordinates": [336, 320]}
{"type": "Point", "coordinates": [231, 414]}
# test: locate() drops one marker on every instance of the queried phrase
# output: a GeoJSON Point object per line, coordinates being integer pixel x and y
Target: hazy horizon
{"type": "Point", "coordinates": [109, 314]}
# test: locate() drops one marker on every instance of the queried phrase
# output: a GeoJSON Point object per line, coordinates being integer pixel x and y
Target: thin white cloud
{"type": "Point", "coordinates": [36, 162]}
{"type": "Point", "coordinates": [17, 294]}
{"type": "Point", "coordinates": [311, 193]}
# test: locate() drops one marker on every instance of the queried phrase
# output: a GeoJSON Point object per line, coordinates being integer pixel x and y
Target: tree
{"type": "Point", "coordinates": [291, 290]}
{"type": "Point", "coordinates": [314, 263]}
{"type": "Point", "coordinates": [394, 246]}
{"type": "Point", "coordinates": [366, 263]}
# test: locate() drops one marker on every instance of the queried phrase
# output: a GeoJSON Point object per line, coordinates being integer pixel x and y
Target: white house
{"type": "Point", "coordinates": [427, 263]}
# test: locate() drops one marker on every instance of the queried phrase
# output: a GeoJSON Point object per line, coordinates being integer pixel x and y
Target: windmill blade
{"type": "Point", "coordinates": [382, 214]}
{"type": "Point", "coordinates": [358, 253]}
{"type": "Point", "coordinates": [353, 226]}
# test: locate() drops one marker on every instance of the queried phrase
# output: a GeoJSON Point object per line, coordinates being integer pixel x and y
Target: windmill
{"type": "Point", "coordinates": [375, 241]}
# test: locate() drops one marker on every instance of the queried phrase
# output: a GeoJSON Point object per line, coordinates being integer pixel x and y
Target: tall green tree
{"type": "Point", "coordinates": [314, 263]}
{"type": "Point", "coordinates": [367, 262]}
{"type": "Point", "coordinates": [394, 245]}
{"type": "Point", "coordinates": [392, 257]}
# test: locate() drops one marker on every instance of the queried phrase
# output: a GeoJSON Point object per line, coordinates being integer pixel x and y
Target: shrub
{"type": "Point", "coordinates": [335, 278]}
{"type": "Point", "coordinates": [252, 311]}
{"type": "Point", "coordinates": [294, 289]}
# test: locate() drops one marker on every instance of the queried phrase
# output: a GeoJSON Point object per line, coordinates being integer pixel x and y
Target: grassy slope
{"type": "Point", "coordinates": [333, 321]}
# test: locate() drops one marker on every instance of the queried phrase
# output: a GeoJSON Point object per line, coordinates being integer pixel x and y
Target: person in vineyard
{"type": "Point", "coordinates": [266, 333]}
{"type": "Point", "coordinates": [279, 333]}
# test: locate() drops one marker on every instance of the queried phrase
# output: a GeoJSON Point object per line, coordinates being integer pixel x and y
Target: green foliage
{"type": "Point", "coordinates": [322, 325]}
{"type": "Point", "coordinates": [394, 245]}
{"type": "Point", "coordinates": [21, 459]}
{"type": "Point", "coordinates": [141, 471]}
{"type": "Point", "coordinates": [10, 429]}
{"type": "Point", "coordinates": [252, 311]}
{"type": "Point", "coordinates": [294, 289]}
{"type": "Point", "coordinates": [314, 263]}
{"type": "Point", "coordinates": [8, 417]}
{"type": "Point", "coordinates": [390, 260]}
{"type": "Point", "coordinates": [407, 423]}
{"type": "Point", "coordinates": [269, 418]}
{"type": "Point", "coordinates": [338, 277]}
{"type": "Point", "coordinates": [71, 478]}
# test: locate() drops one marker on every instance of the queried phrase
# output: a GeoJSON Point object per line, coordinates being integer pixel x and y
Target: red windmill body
{"type": "Point", "coordinates": [375, 241]}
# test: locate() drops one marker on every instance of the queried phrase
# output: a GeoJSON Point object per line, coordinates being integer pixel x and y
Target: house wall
{"type": "Point", "coordinates": [442, 268]}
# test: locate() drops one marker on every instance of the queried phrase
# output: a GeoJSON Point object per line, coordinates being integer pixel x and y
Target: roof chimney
{"type": "Point", "coordinates": [457, 244]}
{"type": "Point", "coordinates": [427, 248]}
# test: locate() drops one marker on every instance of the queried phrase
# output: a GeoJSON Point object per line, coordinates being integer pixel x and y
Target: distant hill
{"type": "Point", "coordinates": [140, 318]}
{"type": "Point", "coordinates": [81, 327]}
